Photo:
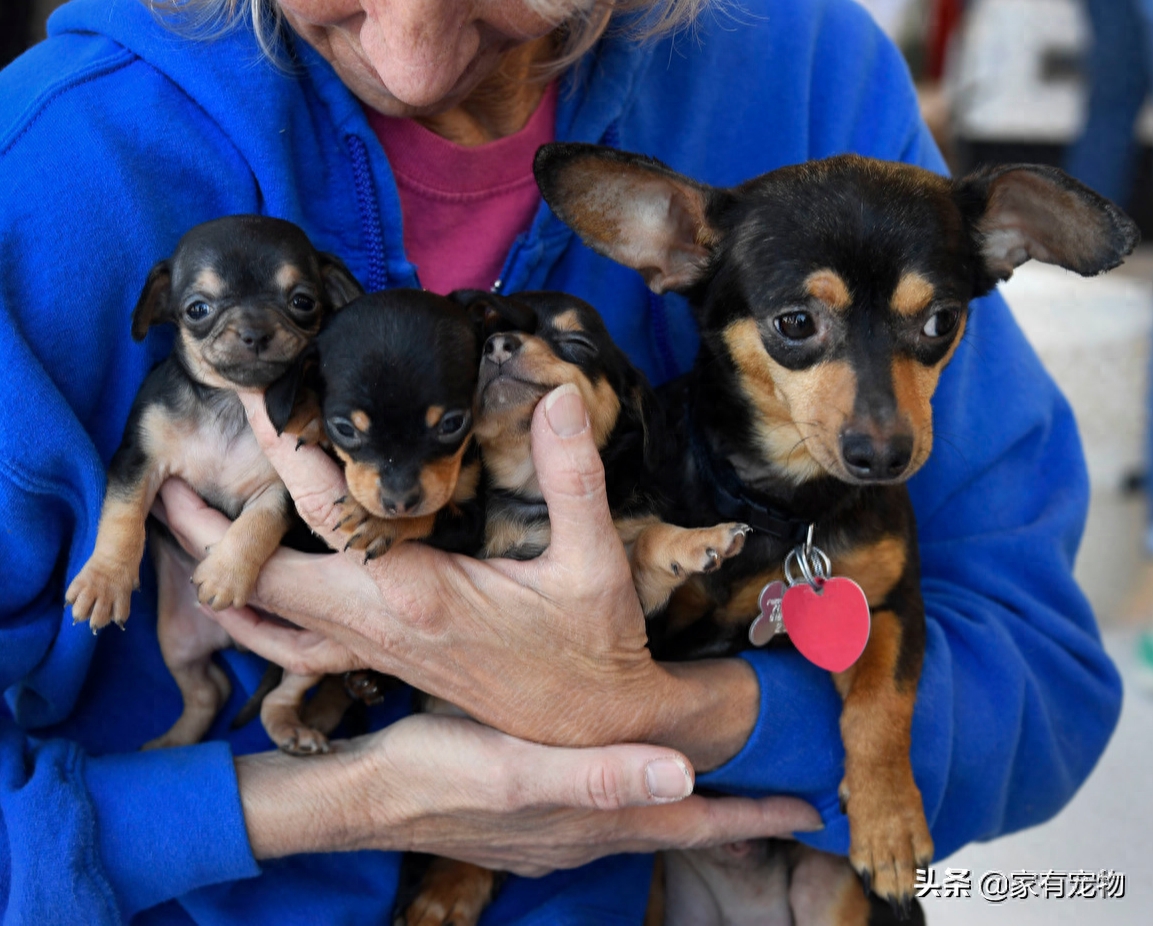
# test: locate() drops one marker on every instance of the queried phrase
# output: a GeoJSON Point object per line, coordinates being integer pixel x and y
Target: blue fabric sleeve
{"type": "Point", "coordinates": [1017, 698]}
{"type": "Point", "coordinates": [87, 838]}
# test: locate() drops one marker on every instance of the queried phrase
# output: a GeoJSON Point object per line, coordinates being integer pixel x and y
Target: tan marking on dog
{"type": "Point", "coordinates": [876, 568]}
{"type": "Point", "coordinates": [433, 415]}
{"type": "Point", "coordinates": [886, 816]}
{"type": "Point", "coordinates": [199, 367]}
{"type": "Point", "coordinates": [452, 892]}
{"type": "Point", "coordinates": [663, 556]}
{"type": "Point", "coordinates": [438, 480]}
{"type": "Point", "coordinates": [912, 295]}
{"type": "Point", "coordinates": [504, 535]}
{"type": "Point", "coordinates": [287, 276]}
{"type": "Point", "coordinates": [467, 482]}
{"type": "Point", "coordinates": [798, 414]}
{"type": "Point", "coordinates": [503, 431]}
{"type": "Point", "coordinates": [830, 288]}
{"type": "Point", "coordinates": [744, 603]}
{"type": "Point", "coordinates": [824, 889]}
{"type": "Point", "coordinates": [360, 420]}
{"type": "Point", "coordinates": [363, 483]}
{"type": "Point", "coordinates": [209, 283]}
{"type": "Point", "coordinates": [688, 604]}
{"type": "Point", "coordinates": [913, 387]}
{"type": "Point", "coordinates": [568, 320]}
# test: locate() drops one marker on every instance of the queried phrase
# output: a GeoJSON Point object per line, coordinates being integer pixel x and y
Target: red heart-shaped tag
{"type": "Point", "coordinates": [829, 627]}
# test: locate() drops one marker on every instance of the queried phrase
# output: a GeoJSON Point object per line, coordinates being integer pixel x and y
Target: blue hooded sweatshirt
{"type": "Point", "coordinates": [117, 135]}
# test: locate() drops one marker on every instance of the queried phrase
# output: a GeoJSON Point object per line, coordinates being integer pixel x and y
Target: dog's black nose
{"type": "Point", "coordinates": [255, 339]}
{"type": "Point", "coordinates": [402, 506]}
{"type": "Point", "coordinates": [867, 457]}
{"type": "Point", "coordinates": [500, 347]}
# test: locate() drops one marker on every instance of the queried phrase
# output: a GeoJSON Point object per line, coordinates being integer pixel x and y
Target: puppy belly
{"type": "Point", "coordinates": [741, 884]}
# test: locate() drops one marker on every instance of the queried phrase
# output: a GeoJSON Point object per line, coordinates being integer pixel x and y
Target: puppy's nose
{"type": "Point", "coordinates": [255, 339]}
{"type": "Point", "coordinates": [501, 347]}
{"type": "Point", "coordinates": [401, 506]}
{"type": "Point", "coordinates": [868, 457]}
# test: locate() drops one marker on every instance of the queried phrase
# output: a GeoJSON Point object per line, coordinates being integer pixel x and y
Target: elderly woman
{"type": "Point", "coordinates": [399, 134]}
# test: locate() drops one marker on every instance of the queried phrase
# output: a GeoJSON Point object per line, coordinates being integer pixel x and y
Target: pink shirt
{"type": "Point", "coordinates": [463, 207]}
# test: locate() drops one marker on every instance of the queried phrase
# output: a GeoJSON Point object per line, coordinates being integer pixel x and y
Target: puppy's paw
{"type": "Point", "coordinates": [889, 839]}
{"type": "Point", "coordinates": [296, 738]}
{"type": "Point", "coordinates": [223, 582]}
{"type": "Point", "coordinates": [365, 532]}
{"type": "Point", "coordinates": [704, 549]}
{"type": "Point", "coordinates": [452, 894]}
{"type": "Point", "coordinates": [101, 593]}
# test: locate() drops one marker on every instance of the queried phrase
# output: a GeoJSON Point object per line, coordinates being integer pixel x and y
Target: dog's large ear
{"type": "Point", "coordinates": [632, 209]}
{"type": "Point", "coordinates": [492, 313]}
{"type": "Point", "coordinates": [280, 396]}
{"type": "Point", "coordinates": [1023, 211]}
{"type": "Point", "coordinates": [340, 285]}
{"type": "Point", "coordinates": [152, 306]}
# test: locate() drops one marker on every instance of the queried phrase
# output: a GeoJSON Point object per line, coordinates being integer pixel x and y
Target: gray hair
{"type": "Point", "coordinates": [579, 23]}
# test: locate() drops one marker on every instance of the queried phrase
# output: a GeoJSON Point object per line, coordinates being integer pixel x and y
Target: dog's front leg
{"type": "Point", "coordinates": [226, 576]}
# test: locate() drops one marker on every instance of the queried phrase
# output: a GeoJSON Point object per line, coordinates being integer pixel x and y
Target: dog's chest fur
{"type": "Point", "coordinates": [203, 437]}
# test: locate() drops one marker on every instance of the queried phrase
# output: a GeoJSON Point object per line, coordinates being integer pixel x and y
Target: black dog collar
{"type": "Point", "coordinates": [735, 501]}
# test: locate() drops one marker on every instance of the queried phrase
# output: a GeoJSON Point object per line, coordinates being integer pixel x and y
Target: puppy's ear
{"type": "Point", "coordinates": [152, 306]}
{"type": "Point", "coordinates": [340, 285]}
{"type": "Point", "coordinates": [280, 396]}
{"type": "Point", "coordinates": [1023, 211]}
{"type": "Point", "coordinates": [492, 313]}
{"type": "Point", "coordinates": [632, 209]}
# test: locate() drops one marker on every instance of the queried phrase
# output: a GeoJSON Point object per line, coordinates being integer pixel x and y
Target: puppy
{"type": "Point", "coordinates": [388, 386]}
{"type": "Point", "coordinates": [247, 294]}
{"type": "Point", "coordinates": [569, 344]}
{"type": "Point", "coordinates": [829, 297]}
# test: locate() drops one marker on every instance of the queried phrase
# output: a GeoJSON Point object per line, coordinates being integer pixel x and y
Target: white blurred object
{"type": "Point", "coordinates": [1093, 337]}
{"type": "Point", "coordinates": [891, 15]}
{"type": "Point", "coordinates": [996, 77]}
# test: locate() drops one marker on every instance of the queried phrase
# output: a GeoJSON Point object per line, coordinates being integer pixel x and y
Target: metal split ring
{"type": "Point", "coordinates": [812, 561]}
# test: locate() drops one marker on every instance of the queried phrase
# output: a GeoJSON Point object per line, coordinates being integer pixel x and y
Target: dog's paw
{"type": "Point", "coordinates": [101, 593]}
{"type": "Point", "coordinates": [704, 549]}
{"type": "Point", "coordinates": [365, 532]}
{"type": "Point", "coordinates": [296, 738]}
{"type": "Point", "coordinates": [889, 839]}
{"type": "Point", "coordinates": [453, 894]}
{"type": "Point", "coordinates": [223, 582]}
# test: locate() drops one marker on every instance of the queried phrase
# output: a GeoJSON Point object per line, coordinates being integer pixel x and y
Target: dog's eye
{"type": "Point", "coordinates": [343, 431]}
{"type": "Point", "coordinates": [198, 311]}
{"type": "Point", "coordinates": [941, 323]}
{"type": "Point", "coordinates": [796, 326]}
{"type": "Point", "coordinates": [452, 423]}
{"type": "Point", "coordinates": [578, 348]}
{"type": "Point", "coordinates": [303, 303]}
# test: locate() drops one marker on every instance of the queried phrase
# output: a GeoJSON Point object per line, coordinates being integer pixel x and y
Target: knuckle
{"type": "Point", "coordinates": [604, 787]}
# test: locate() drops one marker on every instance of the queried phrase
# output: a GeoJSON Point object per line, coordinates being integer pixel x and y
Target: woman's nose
{"type": "Point", "coordinates": [419, 48]}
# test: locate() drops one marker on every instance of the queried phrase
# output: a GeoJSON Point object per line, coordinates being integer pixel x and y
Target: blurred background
{"type": "Point", "coordinates": [1061, 82]}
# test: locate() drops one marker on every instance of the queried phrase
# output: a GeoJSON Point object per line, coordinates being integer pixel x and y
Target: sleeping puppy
{"type": "Point", "coordinates": [569, 344]}
{"type": "Point", "coordinates": [247, 295]}
{"type": "Point", "coordinates": [829, 296]}
{"type": "Point", "coordinates": [572, 345]}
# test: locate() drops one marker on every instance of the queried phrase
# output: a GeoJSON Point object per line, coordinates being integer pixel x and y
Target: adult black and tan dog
{"type": "Point", "coordinates": [829, 297]}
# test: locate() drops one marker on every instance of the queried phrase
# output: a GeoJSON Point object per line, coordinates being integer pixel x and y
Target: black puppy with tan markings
{"type": "Point", "coordinates": [829, 297]}
{"type": "Point", "coordinates": [247, 294]}
{"type": "Point", "coordinates": [568, 345]}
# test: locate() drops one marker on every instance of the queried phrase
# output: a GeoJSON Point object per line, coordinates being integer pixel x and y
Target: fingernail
{"type": "Point", "coordinates": [565, 411]}
{"type": "Point", "coordinates": [668, 780]}
{"type": "Point", "coordinates": [811, 828]}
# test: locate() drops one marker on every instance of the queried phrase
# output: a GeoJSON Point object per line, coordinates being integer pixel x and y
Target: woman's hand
{"type": "Point", "coordinates": [551, 650]}
{"type": "Point", "coordinates": [456, 788]}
